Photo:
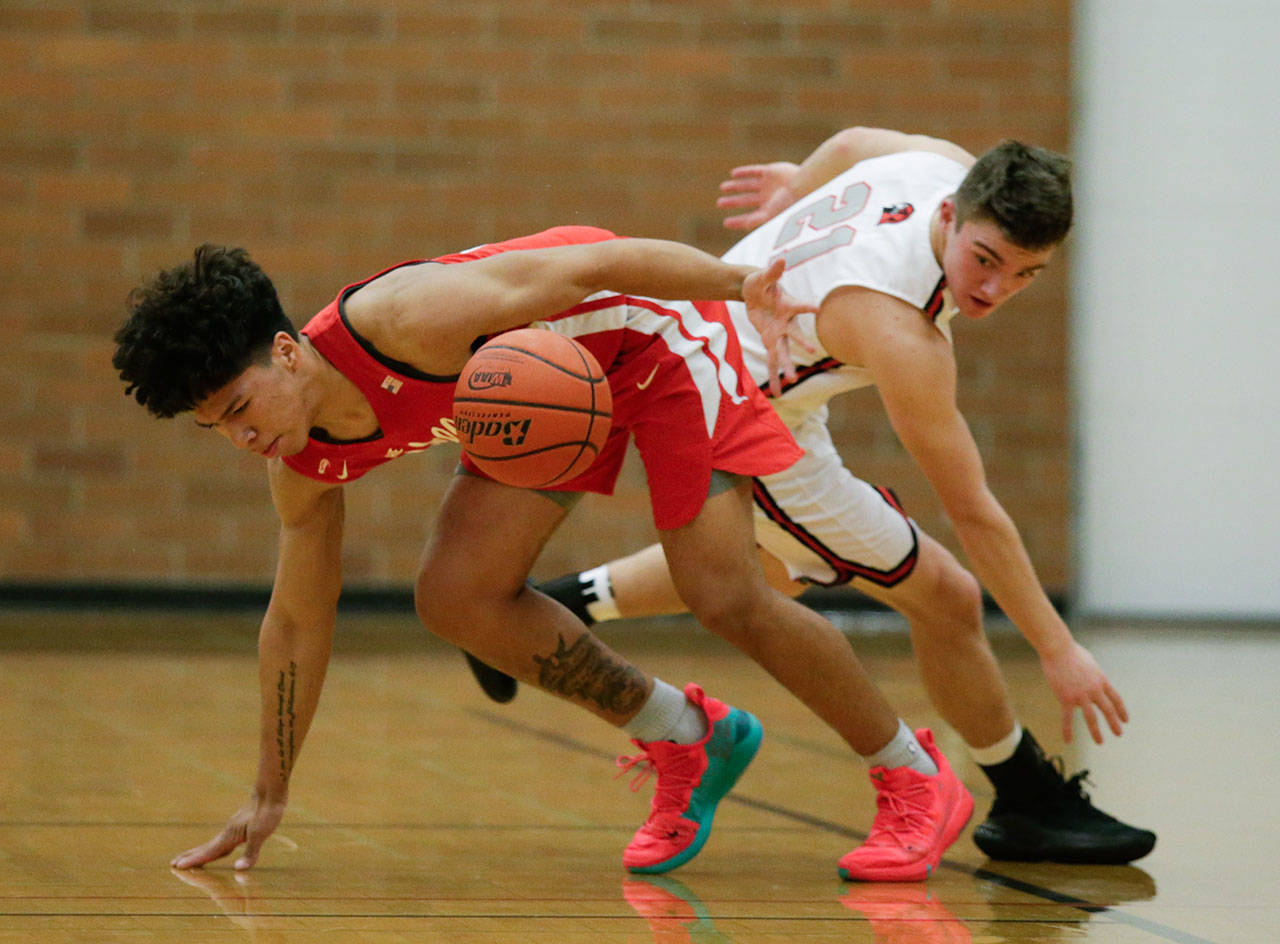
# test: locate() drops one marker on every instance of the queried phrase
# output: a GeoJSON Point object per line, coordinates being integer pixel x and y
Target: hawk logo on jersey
{"type": "Point", "coordinates": [896, 213]}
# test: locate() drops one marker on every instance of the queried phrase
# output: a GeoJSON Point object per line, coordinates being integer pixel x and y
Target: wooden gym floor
{"type": "Point", "coordinates": [422, 812]}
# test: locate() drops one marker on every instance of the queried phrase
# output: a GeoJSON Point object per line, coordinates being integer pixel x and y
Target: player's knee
{"type": "Point", "coordinates": [967, 596]}
{"type": "Point", "coordinates": [443, 606]}
{"type": "Point", "coordinates": [957, 600]}
{"type": "Point", "coordinates": [727, 608]}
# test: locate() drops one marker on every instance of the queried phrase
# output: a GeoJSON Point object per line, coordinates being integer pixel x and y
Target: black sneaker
{"type": "Point", "coordinates": [569, 591]}
{"type": "Point", "coordinates": [498, 685]}
{"type": "Point", "coordinates": [1040, 815]}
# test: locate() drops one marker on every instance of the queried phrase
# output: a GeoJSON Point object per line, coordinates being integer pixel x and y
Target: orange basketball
{"type": "Point", "coordinates": [532, 408]}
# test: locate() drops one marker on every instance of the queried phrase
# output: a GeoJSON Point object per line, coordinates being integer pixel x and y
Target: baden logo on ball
{"type": "Point", "coordinates": [532, 408]}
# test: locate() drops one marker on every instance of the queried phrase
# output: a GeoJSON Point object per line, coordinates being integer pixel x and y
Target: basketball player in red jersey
{"type": "Point", "coordinates": [893, 235]}
{"type": "Point", "coordinates": [371, 378]}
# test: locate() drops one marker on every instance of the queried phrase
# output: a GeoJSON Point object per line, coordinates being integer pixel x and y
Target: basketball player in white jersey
{"type": "Point", "coordinates": [894, 235]}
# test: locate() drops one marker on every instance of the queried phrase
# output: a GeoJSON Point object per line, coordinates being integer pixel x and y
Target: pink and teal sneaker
{"type": "Point", "coordinates": [692, 779]}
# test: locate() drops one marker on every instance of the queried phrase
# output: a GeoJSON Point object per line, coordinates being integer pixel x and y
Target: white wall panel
{"type": "Point", "coordinates": [1176, 307]}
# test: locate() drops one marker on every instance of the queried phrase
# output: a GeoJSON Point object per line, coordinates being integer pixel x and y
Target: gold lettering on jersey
{"type": "Point", "coordinates": [447, 431]}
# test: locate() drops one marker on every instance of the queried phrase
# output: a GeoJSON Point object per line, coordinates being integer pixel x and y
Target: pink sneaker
{"type": "Point", "coordinates": [917, 818]}
{"type": "Point", "coordinates": [905, 914]}
{"type": "Point", "coordinates": [692, 778]}
{"type": "Point", "coordinates": [675, 914]}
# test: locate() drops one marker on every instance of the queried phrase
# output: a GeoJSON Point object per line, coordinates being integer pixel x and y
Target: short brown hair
{"type": "Point", "coordinates": [1024, 190]}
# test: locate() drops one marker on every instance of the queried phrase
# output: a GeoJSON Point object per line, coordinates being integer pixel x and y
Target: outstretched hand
{"type": "Point", "coordinates": [764, 187]}
{"type": "Point", "coordinates": [771, 311]}
{"type": "Point", "coordinates": [1078, 682]}
{"type": "Point", "coordinates": [250, 826]}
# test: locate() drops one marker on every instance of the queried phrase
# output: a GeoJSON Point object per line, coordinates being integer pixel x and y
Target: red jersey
{"type": "Point", "coordinates": [674, 368]}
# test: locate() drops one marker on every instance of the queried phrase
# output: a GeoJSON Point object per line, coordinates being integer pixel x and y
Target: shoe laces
{"type": "Point", "coordinates": [626, 764]}
{"type": "Point", "coordinates": [1072, 788]}
{"type": "Point", "coordinates": [675, 780]}
{"type": "Point", "coordinates": [903, 813]}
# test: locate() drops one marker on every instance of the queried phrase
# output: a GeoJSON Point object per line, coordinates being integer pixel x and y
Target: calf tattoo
{"type": "Point", "coordinates": [586, 670]}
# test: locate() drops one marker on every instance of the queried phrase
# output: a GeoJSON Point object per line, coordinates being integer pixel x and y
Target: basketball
{"type": "Point", "coordinates": [532, 408]}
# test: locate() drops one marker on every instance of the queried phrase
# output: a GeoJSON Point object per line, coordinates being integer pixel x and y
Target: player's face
{"type": "Point", "coordinates": [984, 269]}
{"type": "Point", "coordinates": [261, 409]}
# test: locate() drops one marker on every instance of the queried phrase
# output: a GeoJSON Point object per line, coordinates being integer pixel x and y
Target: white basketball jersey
{"type": "Point", "coordinates": [867, 227]}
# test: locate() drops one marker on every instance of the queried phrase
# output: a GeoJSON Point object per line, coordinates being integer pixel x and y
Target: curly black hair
{"type": "Point", "coordinates": [1024, 190]}
{"type": "Point", "coordinates": [195, 327]}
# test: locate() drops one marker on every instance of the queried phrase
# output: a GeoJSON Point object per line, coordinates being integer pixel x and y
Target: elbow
{"type": "Point", "coordinates": [853, 141]}
{"type": "Point", "coordinates": [970, 502]}
{"type": "Point", "coordinates": [289, 618]}
{"type": "Point", "coordinates": [976, 511]}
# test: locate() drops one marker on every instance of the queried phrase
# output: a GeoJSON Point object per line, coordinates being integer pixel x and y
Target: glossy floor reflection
{"type": "Point", "coordinates": [423, 812]}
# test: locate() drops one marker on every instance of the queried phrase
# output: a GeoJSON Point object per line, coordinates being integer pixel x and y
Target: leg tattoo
{"type": "Point", "coordinates": [586, 671]}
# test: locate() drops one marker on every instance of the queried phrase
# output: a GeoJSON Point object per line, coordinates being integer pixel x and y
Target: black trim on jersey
{"type": "Point", "coordinates": [400, 367]}
{"type": "Point", "coordinates": [322, 436]}
{"type": "Point", "coordinates": [932, 308]}
{"type": "Point", "coordinates": [807, 372]}
{"type": "Point", "coordinates": [845, 570]}
{"type": "Point", "coordinates": [936, 300]}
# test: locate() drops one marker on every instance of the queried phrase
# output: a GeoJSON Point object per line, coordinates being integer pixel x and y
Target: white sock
{"type": "Point", "coordinates": [904, 751]}
{"type": "Point", "coordinates": [1000, 751]}
{"type": "Point", "coordinates": [668, 716]}
{"type": "Point", "coordinates": [597, 593]}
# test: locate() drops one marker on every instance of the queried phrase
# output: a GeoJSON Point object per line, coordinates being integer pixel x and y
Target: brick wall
{"type": "Point", "coordinates": [333, 137]}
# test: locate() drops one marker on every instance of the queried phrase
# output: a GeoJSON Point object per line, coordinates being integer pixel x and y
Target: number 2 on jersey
{"type": "Point", "coordinates": [824, 213]}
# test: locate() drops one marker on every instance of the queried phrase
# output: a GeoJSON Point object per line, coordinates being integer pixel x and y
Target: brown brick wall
{"type": "Point", "coordinates": [333, 137]}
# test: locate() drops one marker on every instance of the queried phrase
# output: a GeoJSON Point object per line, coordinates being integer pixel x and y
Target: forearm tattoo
{"type": "Point", "coordinates": [285, 687]}
{"type": "Point", "coordinates": [585, 670]}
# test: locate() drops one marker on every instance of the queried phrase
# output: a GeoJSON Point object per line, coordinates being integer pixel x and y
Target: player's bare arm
{"type": "Point", "coordinates": [845, 148]}
{"type": "Point", "coordinates": [293, 655]}
{"type": "Point", "coordinates": [429, 316]}
{"type": "Point", "coordinates": [764, 190]}
{"type": "Point", "coordinates": [915, 371]}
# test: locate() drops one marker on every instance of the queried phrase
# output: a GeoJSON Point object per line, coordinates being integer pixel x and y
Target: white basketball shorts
{"type": "Point", "coordinates": [827, 525]}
